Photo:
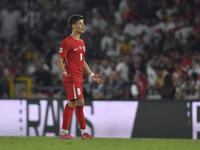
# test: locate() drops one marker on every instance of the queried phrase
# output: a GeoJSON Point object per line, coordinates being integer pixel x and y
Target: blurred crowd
{"type": "Point", "coordinates": [144, 48]}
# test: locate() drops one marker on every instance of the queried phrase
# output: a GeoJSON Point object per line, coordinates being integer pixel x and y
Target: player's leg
{"type": "Point", "coordinates": [79, 104]}
{"type": "Point", "coordinates": [67, 113]}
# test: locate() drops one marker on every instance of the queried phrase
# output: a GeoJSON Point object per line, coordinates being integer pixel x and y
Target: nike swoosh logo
{"type": "Point", "coordinates": [75, 49]}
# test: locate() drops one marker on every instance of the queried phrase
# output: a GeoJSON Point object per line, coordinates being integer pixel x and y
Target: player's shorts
{"type": "Point", "coordinates": [74, 90]}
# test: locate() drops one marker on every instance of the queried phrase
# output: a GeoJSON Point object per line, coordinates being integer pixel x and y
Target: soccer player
{"type": "Point", "coordinates": [72, 51]}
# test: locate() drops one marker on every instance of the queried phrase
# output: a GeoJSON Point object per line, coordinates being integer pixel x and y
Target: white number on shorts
{"type": "Point", "coordinates": [79, 91]}
{"type": "Point", "coordinates": [81, 56]}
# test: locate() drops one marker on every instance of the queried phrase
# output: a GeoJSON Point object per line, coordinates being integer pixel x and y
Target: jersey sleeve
{"type": "Point", "coordinates": [64, 49]}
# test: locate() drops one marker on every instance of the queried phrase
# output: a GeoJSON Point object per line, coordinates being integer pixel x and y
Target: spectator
{"type": "Point", "coordinates": [119, 37]}
{"type": "Point", "coordinates": [174, 25]}
{"type": "Point", "coordinates": [10, 19]}
{"type": "Point", "coordinates": [134, 28]}
{"type": "Point", "coordinates": [53, 33]}
{"type": "Point", "coordinates": [133, 90]}
{"type": "Point", "coordinates": [184, 32]}
{"type": "Point", "coordinates": [164, 16]}
{"type": "Point", "coordinates": [191, 87]}
{"type": "Point", "coordinates": [99, 21]}
{"type": "Point", "coordinates": [132, 12]}
{"type": "Point", "coordinates": [186, 58]}
{"type": "Point", "coordinates": [195, 84]}
{"type": "Point", "coordinates": [123, 6]}
{"type": "Point", "coordinates": [137, 65]}
{"type": "Point", "coordinates": [23, 93]}
{"type": "Point", "coordinates": [194, 68]}
{"type": "Point", "coordinates": [158, 26]}
{"type": "Point", "coordinates": [20, 70]}
{"type": "Point", "coordinates": [164, 83]}
{"type": "Point", "coordinates": [179, 70]}
{"type": "Point", "coordinates": [164, 7]}
{"type": "Point", "coordinates": [180, 88]}
{"type": "Point", "coordinates": [96, 41]}
{"type": "Point", "coordinates": [32, 16]}
{"type": "Point", "coordinates": [113, 65]}
{"type": "Point", "coordinates": [97, 70]}
{"type": "Point", "coordinates": [188, 12]}
{"type": "Point", "coordinates": [11, 67]}
{"type": "Point", "coordinates": [105, 69]}
{"type": "Point", "coordinates": [4, 89]}
{"type": "Point", "coordinates": [149, 10]}
{"type": "Point", "coordinates": [6, 51]}
{"type": "Point", "coordinates": [117, 16]}
{"type": "Point", "coordinates": [102, 91]}
{"type": "Point", "coordinates": [148, 31]}
{"type": "Point", "coordinates": [2, 65]}
{"type": "Point", "coordinates": [138, 86]}
{"type": "Point", "coordinates": [39, 94]}
{"type": "Point", "coordinates": [48, 52]}
{"type": "Point", "coordinates": [196, 29]}
{"type": "Point", "coordinates": [107, 43]}
{"type": "Point", "coordinates": [55, 71]}
{"type": "Point", "coordinates": [168, 63]}
{"type": "Point", "coordinates": [122, 68]}
{"type": "Point", "coordinates": [117, 87]}
{"type": "Point", "coordinates": [88, 23]}
{"type": "Point", "coordinates": [187, 87]}
{"type": "Point", "coordinates": [138, 47]}
{"type": "Point", "coordinates": [159, 42]}
{"type": "Point", "coordinates": [40, 76]}
{"type": "Point", "coordinates": [168, 42]}
{"type": "Point", "coordinates": [33, 65]}
{"type": "Point", "coordinates": [151, 74]}
{"type": "Point", "coordinates": [76, 6]}
{"type": "Point", "coordinates": [126, 46]}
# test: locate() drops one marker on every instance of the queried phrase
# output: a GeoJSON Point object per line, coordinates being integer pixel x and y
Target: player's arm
{"type": "Point", "coordinates": [63, 51]}
{"type": "Point", "coordinates": [94, 77]}
{"type": "Point", "coordinates": [61, 66]}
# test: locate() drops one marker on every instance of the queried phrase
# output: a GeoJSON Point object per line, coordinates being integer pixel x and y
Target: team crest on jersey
{"type": "Point", "coordinates": [61, 50]}
{"type": "Point", "coordinates": [80, 47]}
{"type": "Point", "coordinates": [84, 48]}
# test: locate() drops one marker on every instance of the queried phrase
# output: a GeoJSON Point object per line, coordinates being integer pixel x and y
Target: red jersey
{"type": "Point", "coordinates": [73, 51]}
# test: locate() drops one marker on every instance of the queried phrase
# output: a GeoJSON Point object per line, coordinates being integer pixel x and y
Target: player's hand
{"type": "Point", "coordinates": [65, 73]}
{"type": "Point", "coordinates": [96, 78]}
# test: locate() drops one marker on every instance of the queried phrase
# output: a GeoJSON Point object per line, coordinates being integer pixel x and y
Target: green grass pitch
{"type": "Point", "coordinates": [53, 143]}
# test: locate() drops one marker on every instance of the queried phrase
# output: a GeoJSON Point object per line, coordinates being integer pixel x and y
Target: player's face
{"type": "Point", "coordinates": [79, 26]}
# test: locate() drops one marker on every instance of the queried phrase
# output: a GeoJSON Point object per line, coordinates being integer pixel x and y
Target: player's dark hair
{"type": "Point", "coordinates": [73, 19]}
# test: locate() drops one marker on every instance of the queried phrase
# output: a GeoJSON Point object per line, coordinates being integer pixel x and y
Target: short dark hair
{"type": "Point", "coordinates": [73, 19]}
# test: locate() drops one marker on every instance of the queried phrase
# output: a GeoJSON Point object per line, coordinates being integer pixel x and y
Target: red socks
{"type": "Point", "coordinates": [80, 117]}
{"type": "Point", "coordinates": [67, 114]}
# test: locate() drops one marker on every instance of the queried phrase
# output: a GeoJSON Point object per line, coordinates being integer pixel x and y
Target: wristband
{"type": "Point", "coordinates": [92, 74]}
